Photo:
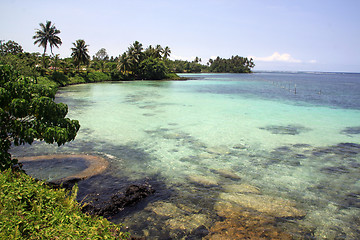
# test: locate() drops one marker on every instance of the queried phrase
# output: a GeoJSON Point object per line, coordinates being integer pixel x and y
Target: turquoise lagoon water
{"type": "Point", "coordinates": [194, 140]}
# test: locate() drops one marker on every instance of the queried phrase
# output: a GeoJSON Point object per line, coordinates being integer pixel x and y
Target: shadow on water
{"type": "Point", "coordinates": [54, 169]}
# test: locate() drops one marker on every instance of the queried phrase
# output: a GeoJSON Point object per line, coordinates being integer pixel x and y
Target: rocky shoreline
{"type": "Point", "coordinates": [242, 210]}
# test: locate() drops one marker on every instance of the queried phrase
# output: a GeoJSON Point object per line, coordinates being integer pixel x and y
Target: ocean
{"type": "Point", "coordinates": [273, 155]}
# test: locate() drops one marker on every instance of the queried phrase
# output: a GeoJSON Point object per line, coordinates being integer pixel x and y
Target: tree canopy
{"type": "Point", "coordinates": [10, 47]}
{"type": "Point", "coordinates": [27, 113]}
{"type": "Point", "coordinates": [232, 65]}
{"type": "Point", "coordinates": [150, 64]}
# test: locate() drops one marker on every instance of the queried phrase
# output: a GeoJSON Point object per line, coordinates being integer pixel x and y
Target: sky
{"type": "Point", "coordinates": [280, 35]}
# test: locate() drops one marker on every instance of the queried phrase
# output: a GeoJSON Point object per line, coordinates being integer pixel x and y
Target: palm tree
{"type": "Point", "coordinates": [80, 53]}
{"type": "Point", "coordinates": [135, 56]}
{"type": "Point", "coordinates": [135, 51]}
{"type": "Point", "coordinates": [159, 51]}
{"type": "Point", "coordinates": [47, 35]}
{"type": "Point", "coordinates": [124, 63]}
{"type": "Point", "coordinates": [166, 52]}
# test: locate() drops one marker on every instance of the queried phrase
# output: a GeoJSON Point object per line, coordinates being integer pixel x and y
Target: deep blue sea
{"type": "Point", "coordinates": [230, 155]}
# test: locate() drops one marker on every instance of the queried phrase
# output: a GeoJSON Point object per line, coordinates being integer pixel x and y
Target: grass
{"type": "Point", "coordinates": [31, 210]}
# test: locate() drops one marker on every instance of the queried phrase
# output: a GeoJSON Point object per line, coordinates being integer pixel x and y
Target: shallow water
{"type": "Point", "coordinates": [221, 140]}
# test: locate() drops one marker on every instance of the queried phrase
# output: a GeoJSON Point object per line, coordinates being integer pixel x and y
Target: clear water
{"type": "Point", "coordinates": [180, 136]}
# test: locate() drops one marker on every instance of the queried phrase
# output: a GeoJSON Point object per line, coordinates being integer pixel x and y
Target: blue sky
{"type": "Point", "coordinates": [292, 35]}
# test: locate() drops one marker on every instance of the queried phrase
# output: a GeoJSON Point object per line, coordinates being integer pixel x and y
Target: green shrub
{"type": "Point", "coordinates": [60, 78]}
{"type": "Point", "coordinates": [76, 79]}
{"type": "Point", "coordinates": [97, 77]}
{"type": "Point", "coordinates": [31, 210]}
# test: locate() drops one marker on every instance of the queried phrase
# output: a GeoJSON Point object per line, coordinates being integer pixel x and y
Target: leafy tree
{"type": "Point", "coordinates": [28, 112]}
{"type": "Point", "coordinates": [152, 69]}
{"type": "Point", "coordinates": [11, 47]}
{"type": "Point", "coordinates": [47, 35]}
{"type": "Point", "coordinates": [80, 53]}
{"type": "Point", "coordinates": [101, 56]}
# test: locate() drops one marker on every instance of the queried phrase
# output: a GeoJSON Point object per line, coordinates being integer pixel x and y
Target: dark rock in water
{"type": "Point", "coordinates": [283, 149]}
{"type": "Point", "coordinates": [132, 195]}
{"type": "Point", "coordinates": [300, 156]}
{"type": "Point", "coordinates": [301, 145]}
{"type": "Point", "coordinates": [353, 146]}
{"type": "Point", "coordinates": [352, 200]}
{"type": "Point", "coordinates": [286, 130]}
{"type": "Point", "coordinates": [335, 170]}
{"type": "Point", "coordinates": [351, 130]}
{"type": "Point", "coordinates": [354, 165]}
{"type": "Point", "coordinates": [345, 149]}
{"type": "Point", "coordinates": [198, 233]}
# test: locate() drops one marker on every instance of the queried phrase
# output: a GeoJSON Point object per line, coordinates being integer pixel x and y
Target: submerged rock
{"type": "Point", "coordinates": [242, 223]}
{"type": "Point", "coordinates": [182, 220]}
{"type": "Point", "coordinates": [205, 181]}
{"type": "Point", "coordinates": [335, 170]}
{"type": "Point", "coordinates": [132, 195]}
{"type": "Point", "coordinates": [273, 206]}
{"type": "Point", "coordinates": [165, 209]}
{"type": "Point", "coordinates": [188, 223]}
{"type": "Point", "coordinates": [286, 130]}
{"type": "Point", "coordinates": [241, 188]}
{"type": "Point", "coordinates": [220, 150]}
{"type": "Point", "coordinates": [226, 173]}
{"type": "Point", "coordinates": [351, 130]}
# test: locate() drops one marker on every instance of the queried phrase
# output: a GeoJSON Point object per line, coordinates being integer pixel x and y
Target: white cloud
{"type": "Point", "coordinates": [277, 57]}
{"type": "Point", "coordinates": [313, 61]}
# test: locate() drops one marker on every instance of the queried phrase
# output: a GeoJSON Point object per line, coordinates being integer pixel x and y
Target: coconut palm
{"type": "Point", "coordinates": [135, 52]}
{"type": "Point", "coordinates": [80, 53]}
{"type": "Point", "coordinates": [47, 34]}
{"type": "Point", "coordinates": [166, 52]}
{"type": "Point", "coordinates": [136, 56]}
{"type": "Point", "coordinates": [159, 51]}
{"type": "Point", "coordinates": [124, 63]}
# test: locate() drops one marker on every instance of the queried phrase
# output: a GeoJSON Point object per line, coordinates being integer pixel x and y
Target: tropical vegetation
{"type": "Point", "coordinates": [28, 112]}
{"type": "Point", "coordinates": [32, 210]}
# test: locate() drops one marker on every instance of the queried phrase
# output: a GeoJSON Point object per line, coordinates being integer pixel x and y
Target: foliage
{"type": "Point", "coordinates": [10, 47]}
{"type": "Point", "coordinates": [76, 79]}
{"type": "Point", "coordinates": [31, 210]}
{"type": "Point", "coordinates": [152, 69]}
{"type": "Point", "coordinates": [97, 77]}
{"type": "Point", "coordinates": [80, 53]}
{"type": "Point", "coordinates": [47, 35]}
{"type": "Point", "coordinates": [28, 112]}
{"type": "Point", "coordinates": [101, 55]}
{"type": "Point", "coordinates": [181, 66]}
{"type": "Point", "coordinates": [233, 65]}
{"type": "Point", "coordinates": [60, 78]}
{"type": "Point", "coordinates": [139, 64]}
{"type": "Point", "coordinates": [24, 63]}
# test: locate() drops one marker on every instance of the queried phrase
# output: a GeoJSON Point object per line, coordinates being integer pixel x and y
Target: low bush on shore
{"type": "Point", "coordinates": [30, 209]}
